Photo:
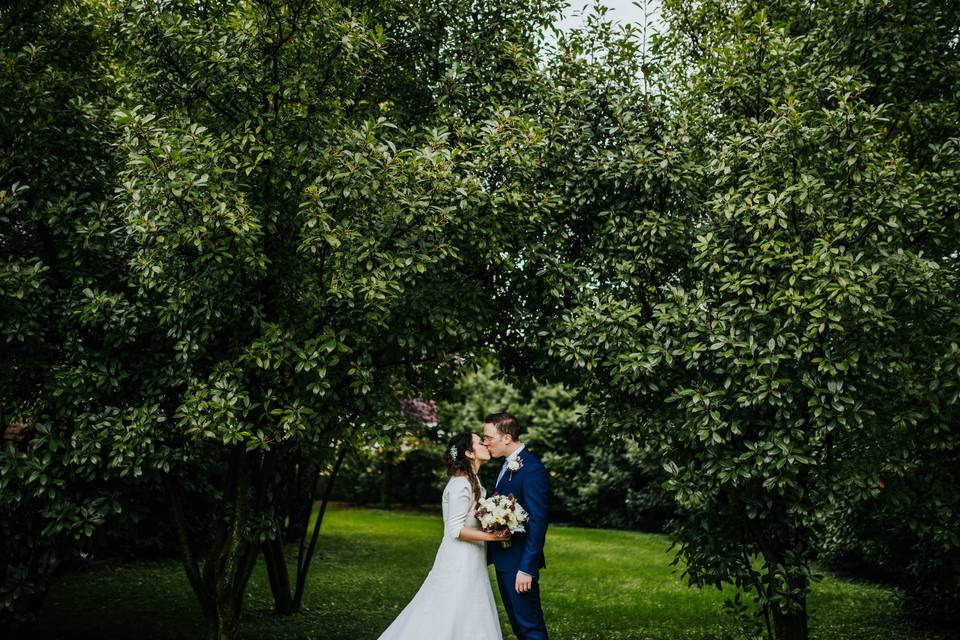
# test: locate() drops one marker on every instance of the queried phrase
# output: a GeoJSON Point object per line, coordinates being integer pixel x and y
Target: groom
{"type": "Point", "coordinates": [518, 566]}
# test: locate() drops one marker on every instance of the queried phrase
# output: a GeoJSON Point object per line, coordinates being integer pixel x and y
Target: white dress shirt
{"type": "Point", "coordinates": [507, 460]}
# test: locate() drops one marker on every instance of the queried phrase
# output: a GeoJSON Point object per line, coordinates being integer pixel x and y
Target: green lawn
{"type": "Point", "coordinates": [612, 585]}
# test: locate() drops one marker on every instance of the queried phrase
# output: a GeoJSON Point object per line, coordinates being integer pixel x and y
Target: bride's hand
{"type": "Point", "coordinates": [501, 535]}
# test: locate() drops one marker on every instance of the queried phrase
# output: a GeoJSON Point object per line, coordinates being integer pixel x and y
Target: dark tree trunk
{"type": "Point", "coordinates": [301, 497]}
{"type": "Point", "coordinates": [220, 577]}
{"type": "Point", "coordinates": [304, 559]}
{"type": "Point", "coordinates": [793, 625]}
{"type": "Point", "coordinates": [288, 601]}
{"type": "Point", "coordinates": [279, 576]}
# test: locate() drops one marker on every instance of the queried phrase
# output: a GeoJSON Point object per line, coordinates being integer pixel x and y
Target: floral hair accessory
{"type": "Point", "coordinates": [453, 452]}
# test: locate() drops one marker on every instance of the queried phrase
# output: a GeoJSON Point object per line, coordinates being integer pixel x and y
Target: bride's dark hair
{"type": "Point", "coordinates": [459, 464]}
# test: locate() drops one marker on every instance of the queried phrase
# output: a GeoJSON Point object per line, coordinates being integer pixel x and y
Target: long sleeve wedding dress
{"type": "Point", "coordinates": [455, 601]}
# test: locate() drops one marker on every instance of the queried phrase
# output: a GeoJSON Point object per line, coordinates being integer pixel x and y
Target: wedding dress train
{"type": "Point", "coordinates": [455, 601]}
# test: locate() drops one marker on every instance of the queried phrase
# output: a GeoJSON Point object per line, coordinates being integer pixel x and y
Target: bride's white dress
{"type": "Point", "coordinates": [455, 601]}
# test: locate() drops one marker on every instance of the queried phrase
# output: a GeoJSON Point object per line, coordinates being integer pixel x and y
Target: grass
{"type": "Point", "coordinates": [609, 585]}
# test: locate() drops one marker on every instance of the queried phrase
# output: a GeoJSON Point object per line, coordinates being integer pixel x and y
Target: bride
{"type": "Point", "coordinates": [456, 601]}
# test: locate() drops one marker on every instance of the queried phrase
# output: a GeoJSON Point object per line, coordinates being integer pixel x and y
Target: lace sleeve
{"type": "Point", "coordinates": [458, 501]}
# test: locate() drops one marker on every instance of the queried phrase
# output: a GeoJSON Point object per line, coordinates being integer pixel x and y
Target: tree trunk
{"type": "Point", "coordinates": [302, 495]}
{"type": "Point", "coordinates": [792, 625]}
{"type": "Point", "coordinates": [226, 567]}
{"type": "Point", "coordinates": [288, 601]}
{"type": "Point", "coordinates": [221, 626]}
{"type": "Point", "coordinates": [789, 624]}
{"type": "Point", "coordinates": [279, 576]}
{"type": "Point", "coordinates": [304, 559]}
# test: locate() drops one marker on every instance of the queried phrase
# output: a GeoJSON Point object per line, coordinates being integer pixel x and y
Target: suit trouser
{"type": "Point", "coordinates": [523, 609]}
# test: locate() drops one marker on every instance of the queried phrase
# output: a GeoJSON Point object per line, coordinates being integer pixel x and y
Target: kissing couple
{"type": "Point", "coordinates": [456, 601]}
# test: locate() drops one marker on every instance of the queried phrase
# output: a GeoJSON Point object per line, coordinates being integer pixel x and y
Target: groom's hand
{"type": "Point", "coordinates": [524, 582]}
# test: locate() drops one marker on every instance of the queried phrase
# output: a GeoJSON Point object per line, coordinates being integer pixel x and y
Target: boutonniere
{"type": "Point", "coordinates": [514, 465]}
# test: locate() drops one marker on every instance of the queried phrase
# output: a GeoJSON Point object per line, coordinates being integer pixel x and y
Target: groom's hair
{"type": "Point", "coordinates": [505, 423]}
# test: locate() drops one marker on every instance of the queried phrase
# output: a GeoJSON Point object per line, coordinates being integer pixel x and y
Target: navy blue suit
{"type": "Point", "coordinates": [530, 485]}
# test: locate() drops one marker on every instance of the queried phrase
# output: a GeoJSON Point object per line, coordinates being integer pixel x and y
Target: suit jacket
{"type": "Point", "coordinates": [530, 485]}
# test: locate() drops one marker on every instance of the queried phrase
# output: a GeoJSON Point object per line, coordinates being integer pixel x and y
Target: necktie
{"type": "Point", "coordinates": [503, 470]}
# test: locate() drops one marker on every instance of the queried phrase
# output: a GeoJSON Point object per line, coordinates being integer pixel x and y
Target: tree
{"type": "Point", "coordinates": [69, 423]}
{"type": "Point", "coordinates": [800, 342]}
{"type": "Point", "coordinates": [295, 243]}
{"type": "Point", "coordinates": [306, 239]}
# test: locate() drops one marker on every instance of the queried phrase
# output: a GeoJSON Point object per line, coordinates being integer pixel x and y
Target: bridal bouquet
{"type": "Point", "coordinates": [500, 513]}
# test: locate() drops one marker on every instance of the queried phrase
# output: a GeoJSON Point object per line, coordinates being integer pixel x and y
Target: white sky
{"type": "Point", "coordinates": [621, 10]}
